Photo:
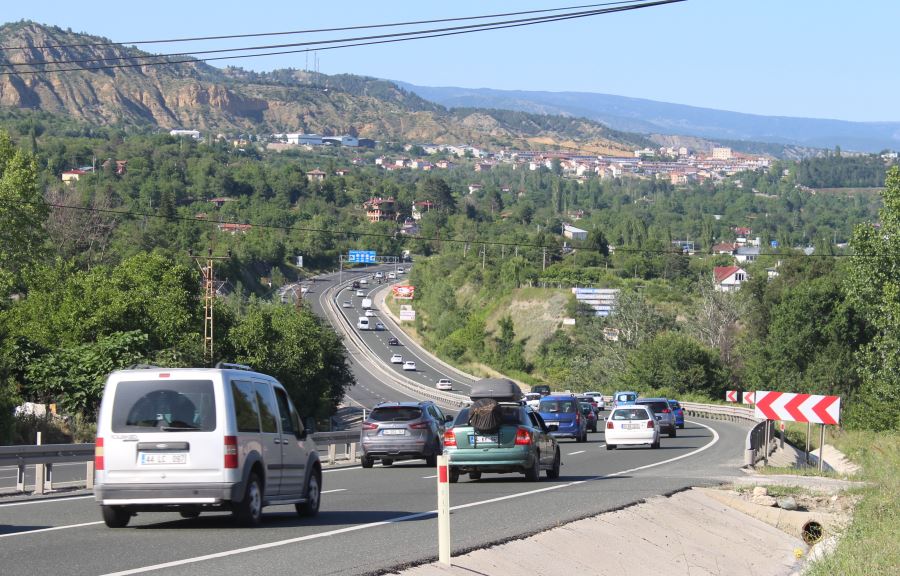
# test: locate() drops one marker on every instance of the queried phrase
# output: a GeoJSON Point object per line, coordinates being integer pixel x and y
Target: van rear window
{"type": "Point", "coordinates": [164, 406]}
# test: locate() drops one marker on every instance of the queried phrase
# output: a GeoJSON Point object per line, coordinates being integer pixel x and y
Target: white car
{"type": "Point", "coordinates": [396, 359]}
{"type": "Point", "coordinates": [379, 275]}
{"type": "Point", "coordinates": [400, 270]}
{"type": "Point", "coordinates": [370, 313]}
{"type": "Point", "coordinates": [598, 398]}
{"type": "Point", "coordinates": [631, 424]}
{"type": "Point", "coordinates": [347, 304]}
{"type": "Point", "coordinates": [360, 293]}
{"type": "Point", "coordinates": [533, 399]}
{"type": "Point", "coordinates": [409, 365]}
{"type": "Point", "coordinates": [444, 384]}
{"type": "Point", "coordinates": [391, 276]}
{"type": "Point", "coordinates": [363, 281]}
{"type": "Point", "coordinates": [379, 326]}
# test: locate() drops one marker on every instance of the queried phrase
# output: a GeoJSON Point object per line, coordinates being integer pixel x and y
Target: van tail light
{"type": "Point", "coordinates": [231, 452]}
{"type": "Point", "coordinates": [651, 424]}
{"type": "Point", "coordinates": [578, 417]}
{"type": "Point", "coordinates": [419, 425]}
{"type": "Point", "coordinates": [449, 438]}
{"type": "Point", "coordinates": [369, 426]}
{"type": "Point", "coordinates": [99, 463]}
{"type": "Point", "coordinates": [609, 425]}
{"type": "Point", "coordinates": [666, 411]}
{"type": "Point", "coordinates": [523, 437]}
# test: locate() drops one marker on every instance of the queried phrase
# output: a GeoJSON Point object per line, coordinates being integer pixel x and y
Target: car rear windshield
{"type": "Point", "coordinates": [630, 414]}
{"type": "Point", "coordinates": [558, 406]}
{"type": "Point", "coordinates": [657, 407]}
{"type": "Point", "coordinates": [625, 397]}
{"type": "Point", "coordinates": [395, 414]}
{"type": "Point", "coordinates": [164, 406]}
{"type": "Point", "coordinates": [511, 415]}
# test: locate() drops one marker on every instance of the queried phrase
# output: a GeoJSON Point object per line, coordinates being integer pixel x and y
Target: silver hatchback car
{"type": "Point", "coordinates": [665, 417]}
{"type": "Point", "coordinates": [403, 431]}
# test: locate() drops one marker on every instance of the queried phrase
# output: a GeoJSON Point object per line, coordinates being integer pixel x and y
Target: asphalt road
{"type": "Point", "coordinates": [370, 520]}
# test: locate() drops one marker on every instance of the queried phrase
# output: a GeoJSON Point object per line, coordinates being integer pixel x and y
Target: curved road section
{"type": "Point", "coordinates": [371, 520]}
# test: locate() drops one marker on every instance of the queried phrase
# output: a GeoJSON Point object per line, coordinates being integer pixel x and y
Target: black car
{"type": "Point", "coordinates": [393, 341]}
{"type": "Point", "coordinates": [355, 284]}
{"type": "Point", "coordinates": [541, 389]}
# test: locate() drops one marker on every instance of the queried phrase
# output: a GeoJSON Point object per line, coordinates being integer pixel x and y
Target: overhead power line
{"type": "Point", "coordinates": [324, 44]}
{"type": "Point", "coordinates": [315, 30]}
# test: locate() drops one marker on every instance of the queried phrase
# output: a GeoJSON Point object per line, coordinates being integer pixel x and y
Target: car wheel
{"type": "Point", "coordinates": [386, 461]}
{"type": "Point", "coordinates": [115, 516]}
{"type": "Point", "coordinates": [681, 426]}
{"type": "Point", "coordinates": [431, 460]}
{"type": "Point", "coordinates": [553, 472]}
{"type": "Point", "coordinates": [672, 432]}
{"type": "Point", "coordinates": [249, 510]}
{"type": "Point", "coordinates": [367, 462]}
{"type": "Point", "coordinates": [610, 446]}
{"type": "Point", "coordinates": [533, 474]}
{"type": "Point", "coordinates": [655, 445]}
{"type": "Point", "coordinates": [454, 475]}
{"type": "Point", "coordinates": [313, 496]}
{"type": "Point", "coordinates": [474, 475]}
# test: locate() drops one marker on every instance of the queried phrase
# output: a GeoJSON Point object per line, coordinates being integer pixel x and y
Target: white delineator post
{"type": "Point", "coordinates": [443, 507]}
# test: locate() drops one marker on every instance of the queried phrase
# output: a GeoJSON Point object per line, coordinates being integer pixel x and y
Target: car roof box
{"type": "Point", "coordinates": [499, 389]}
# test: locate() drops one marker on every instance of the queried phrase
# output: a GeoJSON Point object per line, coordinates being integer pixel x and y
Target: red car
{"type": "Point", "coordinates": [590, 414]}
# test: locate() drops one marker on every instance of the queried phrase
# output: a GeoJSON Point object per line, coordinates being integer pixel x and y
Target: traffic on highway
{"type": "Point", "coordinates": [380, 514]}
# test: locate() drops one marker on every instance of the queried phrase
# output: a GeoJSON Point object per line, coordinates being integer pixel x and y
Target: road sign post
{"type": "Point", "coordinates": [443, 494]}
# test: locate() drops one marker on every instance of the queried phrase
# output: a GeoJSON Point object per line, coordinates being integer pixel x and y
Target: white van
{"type": "Point", "coordinates": [366, 303]}
{"type": "Point", "coordinates": [362, 323]}
{"type": "Point", "coordinates": [190, 440]}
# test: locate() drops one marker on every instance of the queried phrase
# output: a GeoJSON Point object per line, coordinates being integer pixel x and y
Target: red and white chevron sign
{"type": "Point", "coordinates": [798, 407]}
{"type": "Point", "coordinates": [748, 398]}
{"type": "Point", "coordinates": [731, 396]}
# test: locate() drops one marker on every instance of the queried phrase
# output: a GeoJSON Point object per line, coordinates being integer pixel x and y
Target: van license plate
{"type": "Point", "coordinates": [150, 459]}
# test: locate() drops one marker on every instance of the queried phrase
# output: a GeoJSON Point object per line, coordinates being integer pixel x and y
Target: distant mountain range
{"type": "Point", "coordinates": [651, 117]}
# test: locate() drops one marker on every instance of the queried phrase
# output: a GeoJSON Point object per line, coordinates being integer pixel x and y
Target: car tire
{"type": "Point", "coordinates": [115, 516]}
{"type": "Point", "coordinates": [673, 432]}
{"type": "Point", "coordinates": [681, 426]}
{"type": "Point", "coordinates": [453, 475]}
{"type": "Point", "coordinates": [610, 446]}
{"type": "Point", "coordinates": [386, 462]}
{"type": "Point", "coordinates": [367, 462]}
{"type": "Point", "coordinates": [533, 474]}
{"type": "Point", "coordinates": [249, 510]}
{"type": "Point", "coordinates": [553, 471]}
{"type": "Point", "coordinates": [474, 475]}
{"type": "Point", "coordinates": [655, 445]}
{"type": "Point", "coordinates": [310, 508]}
{"type": "Point", "coordinates": [431, 460]}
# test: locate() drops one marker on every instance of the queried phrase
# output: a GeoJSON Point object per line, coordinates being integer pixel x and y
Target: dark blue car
{"type": "Point", "coordinates": [563, 410]}
{"type": "Point", "coordinates": [678, 411]}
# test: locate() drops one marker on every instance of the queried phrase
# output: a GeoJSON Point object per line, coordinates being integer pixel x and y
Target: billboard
{"type": "Point", "coordinates": [403, 292]}
{"type": "Point", "coordinates": [407, 314]}
{"type": "Point", "coordinates": [364, 256]}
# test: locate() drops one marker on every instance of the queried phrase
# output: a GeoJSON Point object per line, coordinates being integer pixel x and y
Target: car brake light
{"type": "Point", "coordinates": [449, 438]}
{"type": "Point", "coordinates": [419, 425]}
{"type": "Point", "coordinates": [523, 437]}
{"type": "Point", "coordinates": [609, 425]}
{"type": "Point", "coordinates": [650, 424]}
{"type": "Point", "coordinates": [231, 452]}
{"type": "Point", "coordinates": [665, 411]}
{"type": "Point", "coordinates": [369, 426]}
{"type": "Point", "coordinates": [98, 455]}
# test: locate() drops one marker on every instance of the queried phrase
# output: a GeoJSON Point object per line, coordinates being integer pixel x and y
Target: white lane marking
{"type": "Point", "coordinates": [29, 532]}
{"type": "Point", "coordinates": [427, 477]}
{"type": "Point", "coordinates": [47, 501]}
{"type": "Point", "coordinates": [574, 453]}
{"type": "Point", "coordinates": [398, 519]}
{"type": "Point", "coordinates": [335, 490]}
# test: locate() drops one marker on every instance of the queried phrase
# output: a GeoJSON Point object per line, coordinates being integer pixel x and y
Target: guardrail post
{"type": "Point", "coordinates": [332, 452]}
{"type": "Point", "coordinates": [89, 476]}
{"type": "Point", "coordinates": [48, 477]}
{"type": "Point", "coordinates": [20, 477]}
{"type": "Point", "coordinates": [39, 472]}
{"type": "Point", "coordinates": [353, 451]}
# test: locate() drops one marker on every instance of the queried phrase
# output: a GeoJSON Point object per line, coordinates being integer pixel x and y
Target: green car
{"type": "Point", "coordinates": [521, 444]}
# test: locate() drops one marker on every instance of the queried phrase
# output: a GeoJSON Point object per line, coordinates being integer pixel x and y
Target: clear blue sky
{"type": "Point", "coordinates": [809, 58]}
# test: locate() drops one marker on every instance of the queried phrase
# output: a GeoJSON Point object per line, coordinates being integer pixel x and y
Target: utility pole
{"type": "Point", "coordinates": [543, 259]}
{"type": "Point", "coordinates": [209, 296]}
{"type": "Point", "coordinates": [483, 255]}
